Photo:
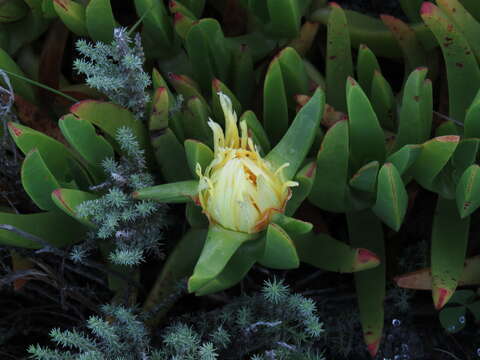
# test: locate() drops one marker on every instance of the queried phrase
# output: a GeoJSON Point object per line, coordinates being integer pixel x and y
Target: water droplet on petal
{"type": "Point", "coordinates": [396, 322]}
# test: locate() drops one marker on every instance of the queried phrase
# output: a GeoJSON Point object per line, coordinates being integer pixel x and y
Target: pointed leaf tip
{"type": "Point", "coordinates": [427, 8]}
{"type": "Point", "coordinates": [334, 4]}
{"type": "Point", "coordinates": [441, 297]}
{"type": "Point", "coordinates": [373, 348]}
{"type": "Point", "coordinates": [14, 130]}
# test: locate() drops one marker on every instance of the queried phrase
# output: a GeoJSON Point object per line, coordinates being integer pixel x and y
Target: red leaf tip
{"type": "Point", "coordinates": [366, 256]}
{"type": "Point", "coordinates": [443, 296]}
{"type": "Point", "coordinates": [427, 8]}
{"type": "Point", "coordinates": [373, 348]}
{"type": "Point", "coordinates": [16, 131]}
{"type": "Point", "coordinates": [334, 4]}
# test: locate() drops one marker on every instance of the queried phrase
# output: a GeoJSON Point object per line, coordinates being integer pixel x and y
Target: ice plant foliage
{"type": "Point", "coordinates": [239, 190]}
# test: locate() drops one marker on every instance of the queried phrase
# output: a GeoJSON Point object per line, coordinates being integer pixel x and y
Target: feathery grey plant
{"type": "Point", "coordinates": [132, 226]}
{"type": "Point", "coordinates": [123, 337]}
{"type": "Point", "coordinates": [116, 70]}
{"type": "Point", "coordinates": [275, 324]}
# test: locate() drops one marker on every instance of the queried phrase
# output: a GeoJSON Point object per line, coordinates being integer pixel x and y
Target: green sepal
{"type": "Point", "coordinates": [296, 143]}
{"type": "Point", "coordinates": [280, 252]}
{"type": "Point", "coordinates": [392, 198]}
{"type": "Point", "coordinates": [467, 192]}
{"type": "Point", "coordinates": [291, 226]}
{"type": "Point", "coordinates": [177, 192]}
{"type": "Point", "coordinates": [67, 200]}
{"type": "Point", "coordinates": [195, 216]}
{"type": "Point", "coordinates": [54, 227]}
{"type": "Point", "coordinates": [197, 153]}
{"type": "Point", "coordinates": [236, 268]}
{"type": "Point", "coordinates": [220, 246]}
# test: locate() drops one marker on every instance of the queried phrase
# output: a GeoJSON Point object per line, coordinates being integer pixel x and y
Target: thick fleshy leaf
{"type": "Point", "coordinates": [295, 144]}
{"type": "Point", "coordinates": [220, 245]}
{"type": "Point", "coordinates": [58, 158]}
{"type": "Point", "coordinates": [468, 191]}
{"type": "Point", "coordinates": [472, 118]}
{"type": "Point", "coordinates": [12, 10]}
{"type": "Point", "coordinates": [295, 77]}
{"type": "Point", "coordinates": [383, 101]}
{"type": "Point", "coordinates": [275, 107]}
{"type": "Point", "coordinates": [305, 178]}
{"type": "Point", "coordinates": [459, 59]}
{"type": "Point", "coordinates": [465, 21]}
{"type": "Point", "coordinates": [178, 192]}
{"type": "Point", "coordinates": [38, 181]}
{"type": "Point", "coordinates": [197, 153]}
{"type": "Point", "coordinates": [110, 117]}
{"type": "Point", "coordinates": [422, 279]}
{"type": "Point", "coordinates": [20, 86]}
{"type": "Point", "coordinates": [158, 120]}
{"type": "Point", "coordinates": [68, 200]}
{"type": "Point", "coordinates": [327, 253]}
{"type": "Point", "coordinates": [411, 8]}
{"type": "Point", "coordinates": [195, 121]}
{"type": "Point", "coordinates": [365, 179]}
{"type": "Point", "coordinates": [285, 17]}
{"type": "Point", "coordinates": [182, 24]}
{"type": "Point", "coordinates": [72, 14]}
{"type": "Point", "coordinates": [367, 65]}
{"type": "Point", "coordinates": [364, 128]}
{"type": "Point", "coordinates": [173, 168]}
{"type": "Point", "coordinates": [415, 120]}
{"type": "Point", "coordinates": [404, 158]}
{"type": "Point", "coordinates": [243, 77]}
{"type": "Point", "coordinates": [291, 226]}
{"type": "Point", "coordinates": [330, 185]}
{"type": "Point", "coordinates": [365, 230]}
{"type": "Point", "coordinates": [414, 53]}
{"type": "Point", "coordinates": [156, 21]}
{"type": "Point", "coordinates": [453, 318]}
{"type": "Point", "coordinates": [392, 198]}
{"type": "Point", "coordinates": [186, 87]}
{"type": "Point", "coordinates": [434, 156]}
{"type": "Point", "coordinates": [236, 268]}
{"type": "Point", "coordinates": [339, 65]}
{"type": "Point", "coordinates": [179, 264]}
{"type": "Point", "coordinates": [448, 249]}
{"type": "Point", "coordinates": [209, 55]}
{"type": "Point", "coordinates": [280, 252]}
{"type": "Point", "coordinates": [100, 21]}
{"type": "Point", "coordinates": [93, 148]}
{"type": "Point", "coordinates": [54, 227]}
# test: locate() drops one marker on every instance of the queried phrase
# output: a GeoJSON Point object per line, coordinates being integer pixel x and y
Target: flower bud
{"type": "Point", "coordinates": [239, 190]}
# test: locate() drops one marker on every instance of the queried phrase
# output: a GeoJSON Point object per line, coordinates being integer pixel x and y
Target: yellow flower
{"type": "Point", "coordinates": [239, 190]}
